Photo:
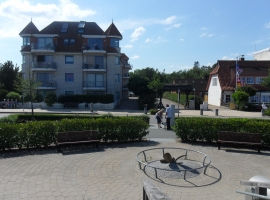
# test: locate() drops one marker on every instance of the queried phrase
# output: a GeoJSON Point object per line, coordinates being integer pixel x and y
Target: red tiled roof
{"type": "Point", "coordinates": [29, 29]}
{"type": "Point", "coordinates": [113, 31]}
{"type": "Point", "coordinates": [226, 70]}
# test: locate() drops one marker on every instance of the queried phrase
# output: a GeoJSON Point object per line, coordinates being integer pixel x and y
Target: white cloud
{"type": "Point", "coordinates": [128, 46]}
{"type": "Point", "coordinates": [267, 25]}
{"type": "Point", "coordinates": [206, 35]}
{"type": "Point", "coordinates": [169, 20]}
{"type": "Point", "coordinates": [137, 33]}
{"type": "Point", "coordinates": [228, 58]}
{"type": "Point", "coordinates": [250, 54]}
{"type": "Point", "coordinates": [173, 26]}
{"type": "Point", "coordinates": [160, 40]}
{"type": "Point", "coordinates": [181, 39]}
{"type": "Point", "coordinates": [135, 57]}
{"type": "Point", "coordinates": [148, 40]}
{"type": "Point", "coordinates": [16, 14]}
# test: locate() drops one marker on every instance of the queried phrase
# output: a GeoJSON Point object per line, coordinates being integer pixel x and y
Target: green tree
{"type": "Point", "coordinates": [240, 98]}
{"type": "Point", "coordinates": [50, 99]}
{"type": "Point", "coordinates": [138, 85]}
{"type": "Point", "coordinates": [8, 74]}
{"type": "Point", "coordinates": [13, 95]}
{"type": "Point", "coordinates": [28, 86]}
{"type": "Point", "coordinates": [250, 90]}
{"type": "Point", "coordinates": [266, 81]}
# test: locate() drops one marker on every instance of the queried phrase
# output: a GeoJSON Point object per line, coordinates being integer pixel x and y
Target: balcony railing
{"type": "Point", "coordinates": [36, 46]}
{"type": "Point", "coordinates": [92, 47]}
{"type": "Point", "coordinates": [47, 65]}
{"type": "Point", "coordinates": [94, 84]}
{"type": "Point", "coordinates": [90, 66]}
{"type": "Point", "coordinates": [48, 84]}
{"type": "Point", "coordinates": [125, 75]}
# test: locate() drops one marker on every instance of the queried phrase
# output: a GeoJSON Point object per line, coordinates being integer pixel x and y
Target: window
{"type": "Point", "coordinates": [45, 59]}
{"type": "Point", "coordinates": [72, 41]}
{"type": "Point", "coordinates": [254, 99]}
{"type": "Point", "coordinates": [95, 44]}
{"type": "Point", "coordinates": [228, 98]}
{"type": "Point", "coordinates": [117, 77]}
{"type": "Point", "coordinates": [23, 59]}
{"type": "Point", "coordinates": [69, 59]}
{"type": "Point", "coordinates": [114, 42]}
{"type": "Point", "coordinates": [242, 79]}
{"type": "Point", "coordinates": [64, 27]}
{"type": "Point", "coordinates": [26, 41]}
{"type": "Point", "coordinates": [81, 27]}
{"type": "Point", "coordinates": [69, 77]}
{"type": "Point", "coordinates": [265, 98]}
{"type": "Point", "coordinates": [259, 80]}
{"type": "Point", "coordinates": [116, 95]}
{"type": "Point", "coordinates": [95, 80]}
{"type": "Point", "coordinates": [214, 82]}
{"type": "Point", "coordinates": [44, 43]}
{"type": "Point", "coordinates": [99, 62]}
{"type": "Point", "coordinates": [249, 80]}
{"type": "Point", "coordinates": [117, 60]}
{"type": "Point", "coordinates": [44, 78]}
{"type": "Point", "coordinates": [69, 93]}
{"type": "Point", "coordinates": [66, 41]}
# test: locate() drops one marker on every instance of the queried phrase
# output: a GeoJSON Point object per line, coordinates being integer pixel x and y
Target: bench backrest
{"type": "Point", "coordinates": [71, 136]}
{"type": "Point", "coordinates": [239, 136]}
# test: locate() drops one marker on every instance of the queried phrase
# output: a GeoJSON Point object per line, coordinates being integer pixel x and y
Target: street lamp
{"type": "Point", "coordinates": [194, 98]}
{"type": "Point", "coordinates": [23, 101]}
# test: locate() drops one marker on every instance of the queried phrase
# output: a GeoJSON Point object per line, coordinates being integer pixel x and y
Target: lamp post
{"type": "Point", "coordinates": [178, 102]}
{"type": "Point", "coordinates": [23, 102]}
{"type": "Point", "coordinates": [194, 98]}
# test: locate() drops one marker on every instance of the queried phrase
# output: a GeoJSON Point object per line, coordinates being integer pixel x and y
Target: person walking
{"type": "Point", "coordinates": [158, 117]}
{"type": "Point", "coordinates": [168, 116]}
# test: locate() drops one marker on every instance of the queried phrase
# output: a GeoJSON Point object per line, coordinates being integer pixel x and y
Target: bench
{"type": "Point", "coordinates": [77, 137]}
{"type": "Point", "coordinates": [239, 138]}
{"type": "Point", "coordinates": [71, 105]}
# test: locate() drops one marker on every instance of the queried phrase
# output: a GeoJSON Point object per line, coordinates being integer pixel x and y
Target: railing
{"type": "Point", "coordinates": [48, 84]}
{"type": "Point", "coordinates": [97, 84]}
{"type": "Point", "coordinates": [90, 66]}
{"type": "Point", "coordinates": [36, 46]}
{"type": "Point", "coordinates": [125, 75]}
{"type": "Point", "coordinates": [51, 65]}
{"type": "Point", "coordinates": [92, 47]}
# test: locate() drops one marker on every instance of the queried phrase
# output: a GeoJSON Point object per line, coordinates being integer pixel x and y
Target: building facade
{"type": "Point", "coordinates": [75, 58]}
{"type": "Point", "coordinates": [222, 81]}
{"type": "Point", "coordinates": [263, 54]}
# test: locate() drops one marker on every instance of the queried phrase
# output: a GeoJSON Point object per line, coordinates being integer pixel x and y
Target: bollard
{"type": "Point", "coordinates": [216, 112]}
{"type": "Point", "coordinates": [201, 111]}
{"type": "Point", "coordinates": [91, 107]}
{"type": "Point", "coordinates": [262, 112]}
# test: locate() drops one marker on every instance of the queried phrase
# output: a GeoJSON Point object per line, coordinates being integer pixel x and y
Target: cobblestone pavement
{"type": "Point", "coordinates": [112, 172]}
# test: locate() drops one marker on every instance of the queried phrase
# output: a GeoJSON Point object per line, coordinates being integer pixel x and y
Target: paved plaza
{"type": "Point", "coordinates": [112, 171]}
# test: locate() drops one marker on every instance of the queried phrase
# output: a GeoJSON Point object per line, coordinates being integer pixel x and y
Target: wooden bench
{"type": "Point", "coordinates": [77, 137]}
{"type": "Point", "coordinates": [239, 138]}
{"type": "Point", "coordinates": [71, 105]}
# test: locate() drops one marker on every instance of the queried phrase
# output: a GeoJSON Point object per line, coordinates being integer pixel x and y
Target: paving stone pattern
{"type": "Point", "coordinates": [112, 172]}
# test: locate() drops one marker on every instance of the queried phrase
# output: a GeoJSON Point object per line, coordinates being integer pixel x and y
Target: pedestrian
{"type": "Point", "coordinates": [168, 116]}
{"type": "Point", "coordinates": [264, 107]}
{"type": "Point", "coordinates": [158, 117]}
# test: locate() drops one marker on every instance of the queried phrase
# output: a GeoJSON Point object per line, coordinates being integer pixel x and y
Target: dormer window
{"type": "Point", "coordinates": [26, 41]}
{"type": "Point", "coordinates": [81, 27]}
{"type": "Point", "coordinates": [64, 27]}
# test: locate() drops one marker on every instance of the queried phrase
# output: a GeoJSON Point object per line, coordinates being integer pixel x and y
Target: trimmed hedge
{"type": "Point", "coordinates": [205, 129]}
{"type": "Point", "coordinates": [43, 133]}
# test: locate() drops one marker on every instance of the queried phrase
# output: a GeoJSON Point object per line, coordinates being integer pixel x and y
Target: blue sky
{"type": "Point", "coordinates": [168, 35]}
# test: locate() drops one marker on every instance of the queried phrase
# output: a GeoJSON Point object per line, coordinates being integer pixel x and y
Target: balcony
{"type": "Point", "coordinates": [43, 66]}
{"type": "Point", "coordinates": [42, 48]}
{"type": "Point", "coordinates": [94, 85]}
{"type": "Point", "coordinates": [92, 49]}
{"type": "Point", "coordinates": [93, 68]}
{"type": "Point", "coordinates": [47, 85]}
{"type": "Point", "coordinates": [127, 65]}
{"type": "Point", "coordinates": [125, 75]}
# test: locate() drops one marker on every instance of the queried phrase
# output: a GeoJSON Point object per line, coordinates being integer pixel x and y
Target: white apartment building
{"type": "Point", "coordinates": [263, 54]}
{"type": "Point", "coordinates": [76, 58]}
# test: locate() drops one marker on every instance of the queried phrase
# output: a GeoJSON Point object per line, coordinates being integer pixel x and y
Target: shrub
{"type": "Point", "coordinates": [50, 99]}
{"type": "Point", "coordinates": [240, 98]}
{"type": "Point", "coordinates": [13, 95]}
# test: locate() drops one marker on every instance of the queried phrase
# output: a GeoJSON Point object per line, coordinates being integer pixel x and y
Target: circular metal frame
{"type": "Point", "coordinates": [205, 164]}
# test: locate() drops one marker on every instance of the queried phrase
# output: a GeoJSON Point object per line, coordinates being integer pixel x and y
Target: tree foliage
{"type": "Point", "coordinates": [50, 99]}
{"type": "Point", "coordinates": [250, 90]}
{"type": "Point", "coordinates": [8, 74]}
{"type": "Point", "coordinates": [240, 98]}
{"type": "Point", "coordinates": [266, 81]}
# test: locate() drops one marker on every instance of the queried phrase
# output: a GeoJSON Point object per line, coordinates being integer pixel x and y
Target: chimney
{"type": "Point", "coordinates": [242, 58]}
